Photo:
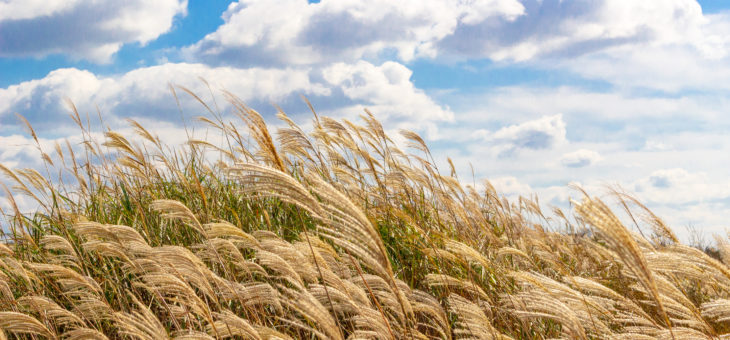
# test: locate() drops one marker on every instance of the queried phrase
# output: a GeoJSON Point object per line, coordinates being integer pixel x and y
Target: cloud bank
{"type": "Point", "coordinates": [84, 29]}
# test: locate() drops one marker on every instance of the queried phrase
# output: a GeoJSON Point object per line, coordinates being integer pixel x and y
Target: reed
{"type": "Point", "coordinates": [330, 233]}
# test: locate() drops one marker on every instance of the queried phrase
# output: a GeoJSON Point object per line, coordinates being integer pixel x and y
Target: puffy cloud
{"type": "Point", "coordinates": [298, 32]}
{"type": "Point", "coordinates": [675, 48]}
{"type": "Point", "coordinates": [628, 119]}
{"type": "Point", "coordinates": [665, 68]}
{"type": "Point", "coordinates": [667, 149]}
{"type": "Point", "coordinates": [663, 179]}
{"type": "Point", "coordinates": [686, 197]}
{"type": "Point", "coordinates": [144, 92]}
{"type": "Point", "coordinates": [680, 197]}
{"type": "Point", "coordinates": [510, 186]}
{"type": "Point", "coordinates": [28, 9]}
{"type": "Point", "coordinates": [634, 134]}
{"type": "Point", "coordinates": [20, 151]}
{"type": "Point", "coordinates": [41, 101]}
{"type": "Point", "coordinates": [580, 158]}
{"type": "Point", "coordinates": [87, 29]}
{"type": "Point", "coordinates": [385, 90]}
{"type": "Point", "coordinates": [537, 134]}
{"type": "Point", "coordinates": [666, 45]}
{"type": "Point", "coordinates": [659, 45]}
{"type": "Point", "coordinates": [543, 133]}
{"type": "Point", "coordinates": [679, 186]}
{"type": "Point", "coordinates": [554, 28]}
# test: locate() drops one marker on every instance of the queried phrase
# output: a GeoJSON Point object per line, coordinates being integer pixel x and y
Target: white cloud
{"type": "Point", "coordinates": [664, 45]}
{"type": "Point", "coordinates": [510, 186]}
{"type": "Point", "coordinates": [385, 90]}
{"type": "Point", "coordinates": [655, 145]}
{"type": "Point", "coordinates": [665, 68]}
{"type": "Point", "coordinates": [663, 21]}
{"type": "Point", "coordinates": [88, 29]}
{"type": "Point", "coordinates": [659, 45]}
{"type": "Point", "coordinates": [634, 134]}
{"type": "Point", "coordinates": [663, 179]}
{"type": "Point", "coordinates": [679, 186]}
{"type": "Point", "coordinates": [580, 158]}
{"type": "Point", "coordinates": [262, 84]}
{"type": "Point", "coordinates": [349, 88]}
{"type": "Point", "coordinates": [626, 119]}
{"type": "Point", "coordinates": [675, 47]}
{"type": "Point", "coordinates": [682, 197]}
{"type": "Point", "coordinates": [19, 152]}
{"type": "Point", "coordinates": [297, 32]}
{"type": "Point", "coordinates": [537, 134]}
{"type": "Point", "coordinates": [543, 133]}
{"type": "Point", "coordinates": [28, 9]}
{"type": "Point", "coordinates": [144, 91]}
{"type": "Point", "coordinates": [641, 141]}
{"type": "Point", "coordinates": [22, 202]}
{"type": "Point", "coordinates": [569, 28]}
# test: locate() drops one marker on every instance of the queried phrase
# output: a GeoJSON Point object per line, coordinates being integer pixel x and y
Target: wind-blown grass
{"type": "Point", "coordinates": [333, 233]}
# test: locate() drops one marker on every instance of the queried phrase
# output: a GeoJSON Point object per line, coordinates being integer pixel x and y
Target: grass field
{"type": "Point", "coordinates": [334, 233]}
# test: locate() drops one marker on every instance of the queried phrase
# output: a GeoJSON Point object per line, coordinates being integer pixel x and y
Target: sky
{"type": "Point", "coordinates": [533, 94]}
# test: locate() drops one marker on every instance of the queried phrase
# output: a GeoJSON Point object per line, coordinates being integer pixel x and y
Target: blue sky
{"type": "Point", "coordinates": [534, 94]}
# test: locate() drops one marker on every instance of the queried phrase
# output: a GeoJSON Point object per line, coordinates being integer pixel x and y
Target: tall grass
{"type": "Point", "coordinates": [334, 233]}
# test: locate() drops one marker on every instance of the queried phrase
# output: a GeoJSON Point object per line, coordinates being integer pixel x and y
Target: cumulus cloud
{"type": "Point", "coordinates": [664, 45]}
{"type": "Point", "coordinates": [669, 178]}
{"type": "Point", "coordinates": [28, 9]}
{"type": "Point", "coordinates": [553, 28]}
{"type": "Point", "coordinates": [627, 119]}
{"type": "Point", "coordinates": [678, 186]}
{"type": "Point", "coordinates": [298, 32]}
{"type": "Point", "coordinates": [542, 133]}
{"type": "Point", "coordinates": [580, 158]}
{"type": "Point", "coordinates": [20, 151]}
{"type": "Point", "coordinates": [638, 140]}
{"type": "Point", "coordinates": [510, 186]}
{"type": "Point", "coordinates": [88, 29]}
{"type": "Point", "coordinates": [674, 47]}
{"type": "Point", "coordinates": [663, 179]}
{"type": "Point", "coordinates": [668, 69]}
{"type": "Point", "coordinates": [386, 90]}
{"type": "Point", "coordinates": [144, 92]}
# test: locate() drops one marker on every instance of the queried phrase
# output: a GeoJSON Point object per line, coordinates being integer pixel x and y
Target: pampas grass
{"type": "Point", "coordinates": [333, 233]}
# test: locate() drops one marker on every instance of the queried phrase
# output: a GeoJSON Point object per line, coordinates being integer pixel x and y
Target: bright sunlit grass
{"type": "Point", "coordinates": [336, 233]}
